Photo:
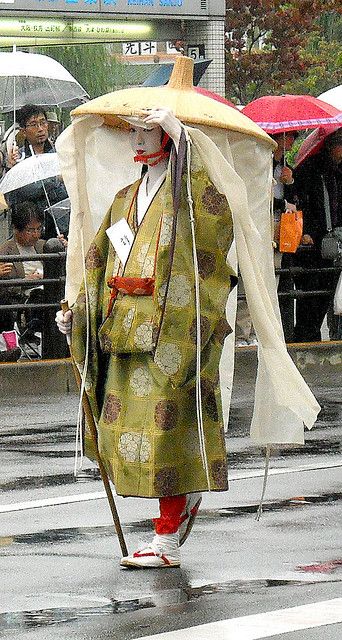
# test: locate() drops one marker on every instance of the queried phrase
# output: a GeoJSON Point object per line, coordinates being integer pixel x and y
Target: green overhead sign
{"type": "Point", "coordinates": [121, 8]}
{"type": "Point", "coordinates": [46, 22]}
{"type": "Point", "coordinates": [49, 31]}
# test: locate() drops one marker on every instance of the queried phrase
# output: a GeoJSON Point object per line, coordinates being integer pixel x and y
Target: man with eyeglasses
{"type": "Point", "coordinates": [33, 133]}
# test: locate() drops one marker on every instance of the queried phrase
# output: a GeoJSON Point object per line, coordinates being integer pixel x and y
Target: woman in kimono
{"type": "Point", "coordinates": [160, 434]}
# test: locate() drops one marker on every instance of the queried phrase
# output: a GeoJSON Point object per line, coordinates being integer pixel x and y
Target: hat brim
{"type": "Point", "coordinates": [137, 122]}
{"type": "Point", "coordinates": [179, 95]}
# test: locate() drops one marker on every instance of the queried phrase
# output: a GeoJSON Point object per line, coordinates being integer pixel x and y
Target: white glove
{"type": "Point", "coordinates": [64, 321]}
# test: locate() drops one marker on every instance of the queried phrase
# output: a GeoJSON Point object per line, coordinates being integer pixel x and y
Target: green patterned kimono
{"type": "Point", "coordinates": [141, 373]}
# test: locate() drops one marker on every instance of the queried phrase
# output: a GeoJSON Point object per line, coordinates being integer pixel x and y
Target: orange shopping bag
{"type": "Point", "coordinates": [291, 231]}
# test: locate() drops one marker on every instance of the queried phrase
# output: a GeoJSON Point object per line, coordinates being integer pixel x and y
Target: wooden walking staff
{"type": "Point", "coordinates": [91, 423]}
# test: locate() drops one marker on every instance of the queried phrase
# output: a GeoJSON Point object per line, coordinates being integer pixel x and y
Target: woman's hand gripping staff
{"type": "Point", "coordinates": [63, 320]}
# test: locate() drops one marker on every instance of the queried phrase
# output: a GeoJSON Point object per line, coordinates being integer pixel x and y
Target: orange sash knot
{"type": "Point", "coordinates": [129, 287]}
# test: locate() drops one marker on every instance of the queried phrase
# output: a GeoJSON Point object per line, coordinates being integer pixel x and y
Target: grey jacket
{"type": "Point", "coordinates": [9, 248]}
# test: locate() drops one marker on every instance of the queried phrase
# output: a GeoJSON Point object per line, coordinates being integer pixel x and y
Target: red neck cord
{"type": "Point", "coordinates": [158, 155]}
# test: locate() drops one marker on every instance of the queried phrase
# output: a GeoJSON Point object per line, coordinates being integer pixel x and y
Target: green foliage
{"type": "Point", "coordinates": [92, 65]}
{"type": "Point", "coordinates": [330, 23]}
{"type": "Point", "coordinates": [322, 58]}
{"type": "Point", "coordinates": [277, 46]}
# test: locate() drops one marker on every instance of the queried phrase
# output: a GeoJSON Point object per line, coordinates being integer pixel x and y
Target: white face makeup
{"type": "Point", "coordinates": [145, 141]}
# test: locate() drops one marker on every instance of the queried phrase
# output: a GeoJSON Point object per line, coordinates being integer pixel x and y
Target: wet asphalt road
{"type": "Point", "coordinates": [60, 563]}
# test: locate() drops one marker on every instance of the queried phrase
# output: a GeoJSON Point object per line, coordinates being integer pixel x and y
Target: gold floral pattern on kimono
{"type": "Point", "coordinates": [143, 398]}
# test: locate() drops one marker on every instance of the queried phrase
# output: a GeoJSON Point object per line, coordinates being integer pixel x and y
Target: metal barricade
{"type": "Point", "coordinates": [53, 342]}
{"type": "Point", "coordinates": [287, 293]}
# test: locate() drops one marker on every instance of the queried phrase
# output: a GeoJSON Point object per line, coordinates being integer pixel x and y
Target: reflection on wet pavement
{"type": "Point", "coordinates": [321, 567]}
{"type": "Point", "coordinates": [247, 459]}
{"type": "Point", "coordinates": [280, 505]}
{"type": "Point", "coordinates": [43, 443]}
{"type": "Point", "coordinates": [55, 615]}
{"type": "Point", "coordinates": [73, 534]}
{"type": "Point", "coordinates": [40, 482]}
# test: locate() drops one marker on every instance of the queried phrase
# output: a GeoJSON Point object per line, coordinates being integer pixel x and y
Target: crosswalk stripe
{"type": "Point", "coordinates": [261, 625]}
{"type": "Point", "coordinates": [52, 502]}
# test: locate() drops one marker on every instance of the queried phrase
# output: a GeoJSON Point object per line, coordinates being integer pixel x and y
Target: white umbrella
{"type": "Point", "coordinates": [60, 214]}
{"type": "Point", "coordinates": [31, 78]}
{"type": "Point", "coordinates": [32, 169]}
{"type": "Point", "coordinates": [333, 96]}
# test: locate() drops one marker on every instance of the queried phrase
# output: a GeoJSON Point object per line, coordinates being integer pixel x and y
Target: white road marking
{"type": "Point", "coordinates": [245, 475]}
{"type": "Point", "coordinates": [52, 502]}
{"type": "Point", "coordinates": [261, 625]}
{"type": "Point", "coordinates": [99, 495]}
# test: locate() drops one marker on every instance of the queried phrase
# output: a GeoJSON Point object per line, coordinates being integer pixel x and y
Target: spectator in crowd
{"type": "Point", "coordinates": [10, 138]}
{"type": "Point", "coordinates": [324, 169]}
{"type": "Point", "coordinates": [283, 193]}
{"type": "Point", "coordinates": [33, 124]}
{"type": "Point", "coordinates": [283, 200]}
{"type": "Point", "coordinates": [53, 126]}
{"type": "Point", "coordinates": [27, 223]}
{"type": "Point", "coordinates": [283, 177]}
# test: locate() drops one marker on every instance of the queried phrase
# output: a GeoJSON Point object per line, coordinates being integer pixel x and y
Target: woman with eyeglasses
{"type": "Point", "coordinates": [26, 241]}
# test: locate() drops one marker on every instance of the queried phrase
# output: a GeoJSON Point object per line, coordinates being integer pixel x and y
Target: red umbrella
{"type": "Point", "coordinates": [277, 114]}
{"type": "Point", "coordinates": [314, 143]}
{"type": "Point", "coordinates": [214, 96]}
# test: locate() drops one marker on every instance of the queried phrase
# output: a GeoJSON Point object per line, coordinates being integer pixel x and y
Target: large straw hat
{"type": "Point", "coordinates": [180, 96]}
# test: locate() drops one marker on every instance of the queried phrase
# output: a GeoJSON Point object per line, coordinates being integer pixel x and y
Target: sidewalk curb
{"type": "Point", "coordinates": [37, 377]}
{"type": "Point", "coordinates": [319, 363]}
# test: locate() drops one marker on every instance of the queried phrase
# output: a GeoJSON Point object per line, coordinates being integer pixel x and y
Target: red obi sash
{"type": "Point", "coordinates": [129, 287]}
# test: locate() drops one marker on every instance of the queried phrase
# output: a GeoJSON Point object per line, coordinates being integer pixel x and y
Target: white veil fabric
{"type": "Point", "coordinates": [96, 162]}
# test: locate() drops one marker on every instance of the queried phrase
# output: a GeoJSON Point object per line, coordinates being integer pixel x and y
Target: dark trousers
{"type": "Point", "coordinates": [7, 319]}
{"type": "Point", "coordinates": [311, 310]}
{"type": "Point", "coordinates": [24, 318]}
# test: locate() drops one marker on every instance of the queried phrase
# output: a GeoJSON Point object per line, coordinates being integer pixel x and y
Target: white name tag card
{"type": "Point", "coordinates": [121, 237]}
